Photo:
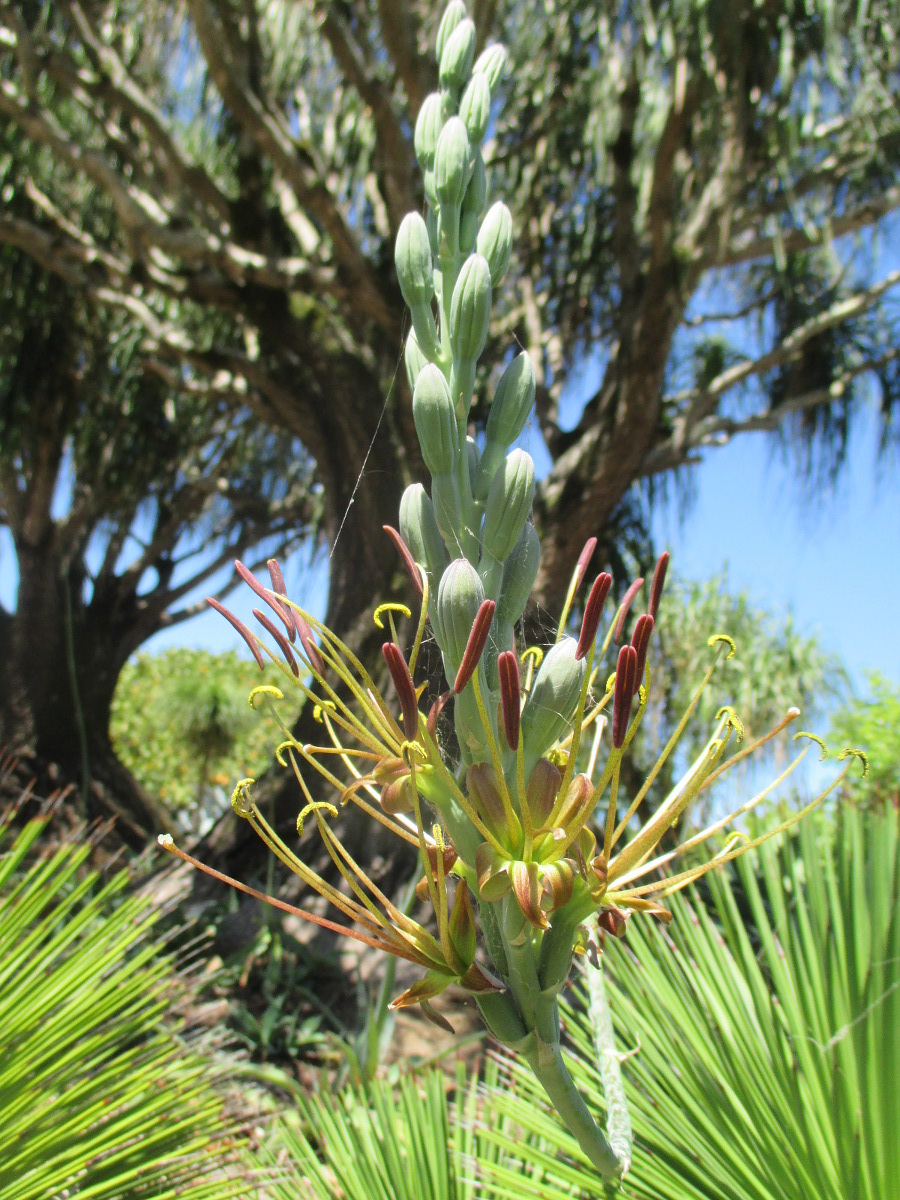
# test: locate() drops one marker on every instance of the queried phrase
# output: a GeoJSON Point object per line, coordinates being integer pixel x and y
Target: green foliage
{"type": "Point", "coordinates": [874, 725]}
{"type": "Point", "coordinates": [764, 1061]}
{"type": "Point", "coordinates": [101, 1096]}
{"type": "Point", "coordinates": [182, 725]}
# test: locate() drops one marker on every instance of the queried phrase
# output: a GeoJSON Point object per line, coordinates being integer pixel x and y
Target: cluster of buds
{"type": "Point", "coordinates": [527, 820]}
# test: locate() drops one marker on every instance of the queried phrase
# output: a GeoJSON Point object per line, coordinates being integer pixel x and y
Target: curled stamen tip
{"type": "Point", "coordinates": [240, 797]}
{"type": "Point", "coordinates": [390, 606]}
{"type": "Point", "coordinates": [315, 806]}
{"type": "Point", "coordinates": [733, 720]}
{"type": "Point", "coordinates": [724, 638]}
{"type": "Point", "coordinates": [166, 841]}
{"type": "Point", "coordinates": [812, 737]}
{"type": "Point", "coordinates": [855, 752]}
{"type": "Point", "coordinates": [265, 689]}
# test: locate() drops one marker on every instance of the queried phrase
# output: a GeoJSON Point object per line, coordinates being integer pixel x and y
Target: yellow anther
{"type": "Point", "coordinates": [391, 606]}
{"type": "Point", "coordinates": [240, 797]}
{"type": "Point", "coordinates": [855, 752]}
{"type": "Point", "coordinates": [265, 689]}
{"type": "Point", "coordinates": [438, 834]}
{"type": "Point", "coordinates": [535, 653]}
{"type": "Point", "coordinates": [733, 838]}
{"type": "Point", "coordinates": [315, 806]}
{"type": "Point", "coordinates": [733, 720]}
{"type": "Point", "coordinates": [279, 753]}
{"type": "Point", "coordinates": [610, 683]}
{"type": "Point", "coordinates": [319, 709]}
{"type": "Point", "coordinates": [723, 637]}
{"type": "Point", "coordinates": [410, 749]}
{"type": "Point", "coordinates": [814, 737]}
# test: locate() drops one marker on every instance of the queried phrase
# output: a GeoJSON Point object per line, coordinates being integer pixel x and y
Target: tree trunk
{"type": "Point", "coordinates": [61, 661]}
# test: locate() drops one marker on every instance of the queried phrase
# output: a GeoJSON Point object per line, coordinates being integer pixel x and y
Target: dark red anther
{"type": "Point", "coordinates": [584, 559]}
{"type": "Point", "coordinates": [626, 673]}
{"type": "Point", "coordinates": [316, 661]}
{"type": "Point", "coordinates": [656, 587]}
{"type": "Point", "coordinates": [278, 585]}
{"type": "Point", "coordinates": [508, 670]}
{"type": "Point", "coordinates": [593, 610]}
{"type": "Point", "coordinates": [626, 604]}
{"type": "Point", "coordinates": [283, 644]}
{"type": "Point", "coordinates": [640, 639]}
{"type": "Point", "coordinates": [405, 557]}
{"type": "Point", "coordinates": [264, 594]}
{"type": "Point", "coordinates": [475, 645]}
{"type": "Point", "coordinates": [435, 711]}
{"type": "Point", "coordinates": [241, 628]}
{"type": "Point", "coordinates": [406, 692]}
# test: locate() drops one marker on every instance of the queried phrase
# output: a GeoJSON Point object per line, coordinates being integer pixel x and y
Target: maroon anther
{"type": "Point", "coordinates": [626, 673]}
{"type": "Point", "coordinates": [478, 636]}
{"type": "Point", "coordinates": [435, 711]}
{"type": "Point", "coordinates": [264, 594]}
{"type": "Point", "coordinates": [508, 670]}
{"type": "Point", "coordinates": [640, 639]}
{"type": "Point", "coordinates": [316, 661]}
{"type": "Point", "coordinates": [627, 600]}
{"type": "Point", "coordinates": [584, 559]}
{"type": "Point", "coordinates": [241, 628]}
{"type": "Point", "coordinates": [278, 586]}
{"type": "Point", "coordinates": [593, 610]}
{"type": "Point", "coordinates": [283, 644]}
{"type": "Point", "coordinates": [405, 557]}
{"type": "Point", "coordinates": [406, 692]}
{"type": "Point", "coordinates": [656, 587]}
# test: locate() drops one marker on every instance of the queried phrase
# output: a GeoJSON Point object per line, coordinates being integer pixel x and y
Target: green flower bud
{"type": "Point", "coordinates": [419, 530]}
{"type": "Point", "coordinates": [448, 513]}
{"type": "Point", "coordinates": [412, 255]}
{"type": "Point", "coordinates": [550, 708]}
{"type": "Point", "coordinates": [459, 597]}
{"type": "Point", "coordinates": [475, 108]}
{"type": "Point", "coordinates": [495, 240]}
{"type": "Point", "coordinates": [453, 14]}
{"type": "Point", "coordinates": [414, 358]}
{"type": "Point", "coordinates": [435, 421]}
{"type": "Point", "coordinates": [451, 163]}
{"type": "Point", "coordinates": [470, 309]}
{"type": "Point", "coordinates": [490, 63]}
{"type": "Point", "coordinates": [506, 420]}
{"type": "Point", "coordinates": [458, 55]}
{"type": "Point", "coordinates": [473, 203]}
{"type": "Point", "coordinates": [519, 573]}
{"type": "Point", "coordinates": [508, 505]}
{"type": "Point", "coordinates": [428, 129]}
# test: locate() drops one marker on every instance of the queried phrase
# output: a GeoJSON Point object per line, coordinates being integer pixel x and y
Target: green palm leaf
{"type": "Point", "coordinates": [100, 1097]}
{"type": "Point", "coordinates": [766, 1031]}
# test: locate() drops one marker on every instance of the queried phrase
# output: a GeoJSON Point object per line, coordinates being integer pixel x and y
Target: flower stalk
{"type": "Point", "coordinates": [517, 876]}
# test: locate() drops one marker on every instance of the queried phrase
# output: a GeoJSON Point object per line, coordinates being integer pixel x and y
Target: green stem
{"type": "Point", "coordinates": [552, 1073]}
{"type": "Point", "coordinates": [618, 1119]}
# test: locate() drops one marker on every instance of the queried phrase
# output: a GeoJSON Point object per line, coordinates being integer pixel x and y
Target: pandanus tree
{"type": "Point", "coordinates": [526, 859]}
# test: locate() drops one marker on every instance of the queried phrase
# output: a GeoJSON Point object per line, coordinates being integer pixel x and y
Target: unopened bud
{"type": "Point", "coordinates": [640, 639]}
{"type": "Point", "coordinates": [508, 505]}
{"type": "Point", "coordinates": [459, 598]}
{"type": "Point", "coordinates": [519, 573]}
{"type": "Point", "coordinates": [540, 794]}
{"type": "Point", "coordinates": [414, 358]}
{"type": "Point", "coordinates": [612, 921]}
{"type": "Point", "coordinates": [415, 266]}
{"type": "Point", "coordinates": [429, 124]}
{"type": "Point", "coordinates": [451, 163]}
{"type": "Point", "coordinates": [470, 309]}
{"type": "Point", "coordinates": [453, 14]}
{"type": "Point", "coordinates": [508, 415]}
{"type": "Point", "coordinates": [458, 55]}
{"type": "Point", "coordinates": [490, 63]}
{"type": "Point", "coordinates": [435, 421]}
{"type": "Point", "coordinates": [473, 203]}
{"type": "Point", "coordinates": [495, 240]}
{"type": "Point", "coordinates": [550, 708]}
{"type": "Point", "coordinates": [420, 532]}
{"type": "Point", "coordinates": [475, 108]}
